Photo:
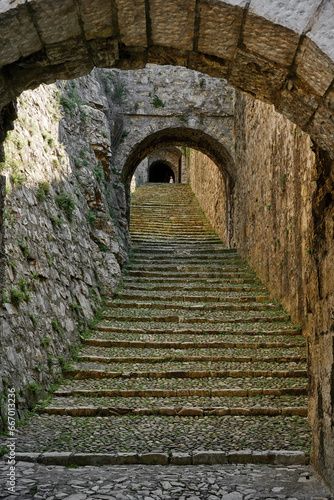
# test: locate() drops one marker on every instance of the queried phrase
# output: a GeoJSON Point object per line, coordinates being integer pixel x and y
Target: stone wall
{"type": "Point", "coordinates": [211, 187]}
{"type": "Point", "coordinates": [2, 230]}
{"type": "Point", "coordinates": [273, 200]}
{"type": "Point", "coordinates": [283, 226]}
{"type": "Point", "coordinates": [66, 231]}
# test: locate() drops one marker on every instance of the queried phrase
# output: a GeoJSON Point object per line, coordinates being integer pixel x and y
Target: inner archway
{"type": "Point", "coordinates": [160, 172]}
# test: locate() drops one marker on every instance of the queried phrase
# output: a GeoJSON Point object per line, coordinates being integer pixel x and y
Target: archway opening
{"type": "Point", "coordinates": [160, 172]}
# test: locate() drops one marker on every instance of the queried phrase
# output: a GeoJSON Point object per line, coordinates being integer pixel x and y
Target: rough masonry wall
{"type": "Point", "coordinates": [283, 224]}
{"type": "Point", "coordinates": [273, 200]}
{"type": "Point", "coordinates": [168, 99]}
{"type": "Point", "coordinates": [211, 188]}
{"type": "Point", "coordinates": [66, 232]}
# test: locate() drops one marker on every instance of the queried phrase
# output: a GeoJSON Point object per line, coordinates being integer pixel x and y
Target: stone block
{"type": "Point", "coordinates": [173, 23]}
{"type": "Point", "coordinates": [57, 20]}
{"type": "Point", "coordinates": [71, 50]}
{"type": "Point", "coordinates": [321, 128]}
{"type": "Point", "coordinates": [93, 459]}
{"type": "Point", "coordinates": [221, 411]}
{"type": "Point", "coordinates": [274, 42]}
{"type": "Point", "coordinates": [132, 22]}
{"type": "Point", "coordinates": [302, 412]}
{"type": "Point", "coordinates": [181, 459]}
{"type": "Point", "coordinates": [253, 74]}
{"type": "Point", "coordinates": [26, 40]}
{"type": "Point", "coordinates": [26, 457]}
{"type": "Point", "coordinates": [286, 457]}
{"type": "Point", "coordinates": [210, 457]}
{"type": "Point", "coordinates": [293, 15]}
{"type": "Point", "coordinates": [261, 457]}
{"type": "Point", "coordinates": [314, 67]}
{"type": "Point", "coordinates": [98, 18]}
{"type": "Point", "coordinates": [219, 30]}
{"type": "Point", "coordinates": [296, 104]}
{"type": "Point", "coordinates": [167, 411]}
{"type": "Point", "coordinates": [154, 458]}
{"type": "Point", "coordinates": [190, 412]}
{"type": "Point", "coordinates": [206, 64]}
{"type": "Point", "coordinates": [127, 458]}
{"type": "Point", "coordinates": [322, 30]}
{"type": "Point", "coordinates": [240, 457]}
{"type": "Point", "coordinates": [55, 458]}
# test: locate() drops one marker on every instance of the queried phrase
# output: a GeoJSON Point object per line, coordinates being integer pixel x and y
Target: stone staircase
{"type": "Point", "coordinates": [193, 358]}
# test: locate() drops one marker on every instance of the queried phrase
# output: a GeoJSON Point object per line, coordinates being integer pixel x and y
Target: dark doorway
{"type": "Point", "coordinates": [160, 172]}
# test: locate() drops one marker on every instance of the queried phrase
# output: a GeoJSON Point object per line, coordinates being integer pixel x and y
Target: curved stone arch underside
{"type": "Point", "coordinates": [181, 136]}
{"type": "Point", "coordinates": [280, 51]}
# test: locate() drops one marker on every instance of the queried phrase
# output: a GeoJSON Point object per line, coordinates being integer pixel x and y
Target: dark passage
{"type": "Point", "coordinates": [160, 172]}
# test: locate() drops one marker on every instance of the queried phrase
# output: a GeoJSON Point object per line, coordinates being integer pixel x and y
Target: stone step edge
{"type": "Point", "coordinates": [86, 373]}
{"type": "Point", "coordinates": [171, 411]}
{"type": "Point", "coordinates": [188, 331]}
{"type": "Point", "coordinates": [188, 345]}
{"type": "Point", "coordinates": [242, 299]}
{"type": "Point", "coordinates": [82, 358]}
{"type": "Point", "coordinates": [165, 305]}
{"type": "Point", "coordinates": [203, 457]}
{"type": "Point", "coordinates": [169, 393]}
{"type": "Point", "coordinates": [172, 318]}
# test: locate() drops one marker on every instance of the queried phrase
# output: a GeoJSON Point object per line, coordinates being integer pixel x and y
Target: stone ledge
{"type": "Point", "coordinates": [199, 457]}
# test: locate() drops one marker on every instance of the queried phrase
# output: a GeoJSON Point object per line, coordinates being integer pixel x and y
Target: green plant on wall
{"type": "Point", "coordinates": [24, 247]}
{"type": "Point", "coordinates": [67, 204]}
{"type": "Point", "coordinates": [43, 190]}
{"type": "Point", "coordinates": [17, 177]}
{"type": "Point", "coordinates": [91, 217]}
{"type": "Point", "coordinates": [119, 93]}
{"type": "Point", "coordinates": [98, 171]}
{"type": "Point", "coordinates": [56, 325]}
{"type": "Point", "coordinates": [157, 102]}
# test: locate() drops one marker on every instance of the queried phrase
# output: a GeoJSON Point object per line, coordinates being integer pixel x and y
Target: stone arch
{"type": "Point", "coordinates": [180, 136]}
{"type": "Point", "coordinates": [177, 136]}
{"type": "Point", "coordinates": [168, 170]}
{"type": "Point", "coordinates": [281, 53]}
{"type": "Point", "coordinates": [169, 156]}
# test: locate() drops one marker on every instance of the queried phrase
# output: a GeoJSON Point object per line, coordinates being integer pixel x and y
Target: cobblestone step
{"type": "Point", "coordinates": [144, 370]}
{"type": "Point", "coordinates": [138, 434]}
{"type": "Point", "coordinates": [216, 386]}
{"type": "Point", "coordinates": [191, 354]}
{"type": "Point", "coordinates": [187, 344]}
{"type": "Point", "coordinates": [181, 393]}
{"type": "Point", "coordinates": [196, 320]}
{"type": "Point", "coordinates": [154, 285]}
{"type": "Point", "coordinates": [187, 411]}
{"type": "Point", "coordinates": [244, 332]}
{"type": "Point", "coordinates": [186, 306]}
{"type": "Point", "coordinates": [220, 297]}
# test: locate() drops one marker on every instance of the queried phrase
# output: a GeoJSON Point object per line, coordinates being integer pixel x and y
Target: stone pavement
{"type": "Point", "coordinates": [191, 355]}
{"type": "Point", "coordinates": [228, 482]}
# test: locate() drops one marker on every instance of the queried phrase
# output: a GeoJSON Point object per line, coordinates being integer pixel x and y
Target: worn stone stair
{"type": "Point", "coordinates": [192, 355]}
